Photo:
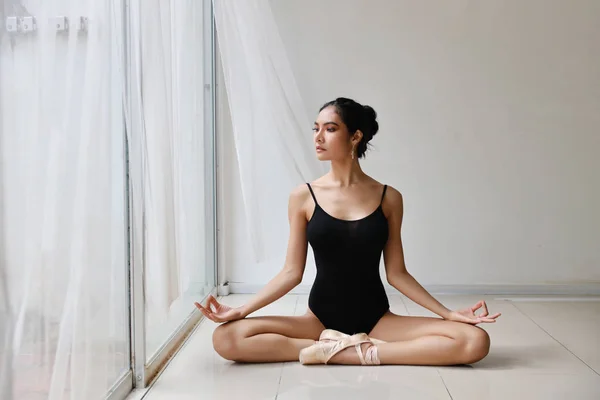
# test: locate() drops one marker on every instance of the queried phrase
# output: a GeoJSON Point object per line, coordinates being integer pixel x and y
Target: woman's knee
{"type": "Point", "coordinates": [476, 344]}
{"type": "Point", "coordinates": [226, 340]}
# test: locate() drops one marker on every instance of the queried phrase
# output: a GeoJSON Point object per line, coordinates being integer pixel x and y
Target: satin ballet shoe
{"type": "Point", "coordinates": [322, 351]}
{"type": "Point", "coordinates": [332, 334]}
{"type": "Point", "coordinates": [371, 356]}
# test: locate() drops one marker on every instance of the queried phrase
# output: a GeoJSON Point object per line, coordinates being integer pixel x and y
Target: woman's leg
{"type": "Point", "coordinates": [422, 341]}
{"type": "Point", "coordinates": [266, 339]}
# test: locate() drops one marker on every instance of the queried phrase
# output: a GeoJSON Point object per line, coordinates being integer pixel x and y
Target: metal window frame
{"type": "Point", "coordinates": [122, 388]}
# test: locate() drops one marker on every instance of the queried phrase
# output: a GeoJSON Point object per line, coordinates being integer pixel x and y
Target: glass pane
{"type": "Point", "coordinates": [178, 192]}
{"type": "Point", "coordinates": [63, 204]}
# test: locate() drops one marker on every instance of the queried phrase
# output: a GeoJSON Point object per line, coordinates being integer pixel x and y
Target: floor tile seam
{"type": "Point", "coordinates": [553, 338]}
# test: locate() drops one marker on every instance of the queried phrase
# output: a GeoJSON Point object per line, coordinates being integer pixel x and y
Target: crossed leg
{"type": "Point", "coordinates": [266, 339]}
{"type": "Point", "coordinates": [408, 340]}
{"type": "Point", "coordinates": [422, 341]}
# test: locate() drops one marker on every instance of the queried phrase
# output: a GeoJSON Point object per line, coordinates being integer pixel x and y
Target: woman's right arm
{"type": "Point", "coordinates": [295, 261]}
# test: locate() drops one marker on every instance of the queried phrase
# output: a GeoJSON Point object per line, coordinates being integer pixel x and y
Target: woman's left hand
{"type": "Point", "coordinates": [468, 315]}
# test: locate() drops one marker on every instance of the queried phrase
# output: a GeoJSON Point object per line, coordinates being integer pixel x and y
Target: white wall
{"type": "Point", "coordinates": [490, 127]}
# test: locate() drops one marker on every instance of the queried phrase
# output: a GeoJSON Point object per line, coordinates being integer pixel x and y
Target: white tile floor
{"type": "Point", "coordinates": [540, 350]}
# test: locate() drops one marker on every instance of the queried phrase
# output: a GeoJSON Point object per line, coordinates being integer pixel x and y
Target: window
{"type": "Point", "coordinates": [107, 187]}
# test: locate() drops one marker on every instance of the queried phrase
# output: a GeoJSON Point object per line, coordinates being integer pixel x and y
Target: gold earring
{"type": "Point", "coordinates": [352, 152]}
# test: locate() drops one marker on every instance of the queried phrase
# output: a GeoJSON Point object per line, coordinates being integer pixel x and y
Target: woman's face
{"type": "Point", "coordinates": [331, 136]}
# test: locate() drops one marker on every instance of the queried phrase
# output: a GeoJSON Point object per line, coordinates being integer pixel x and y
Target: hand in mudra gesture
{"type": "Point", "coordinates": [218, 312]}
{"type": "Point", "coordinates": [468, 316]}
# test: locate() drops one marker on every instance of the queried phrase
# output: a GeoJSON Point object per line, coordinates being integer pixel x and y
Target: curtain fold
{"type": "Point", "coordinates": [167, 118]}
{"type": "Point", "coordinates": [63, 214]}
{"type": "Point", "coordinates": [270, 122]}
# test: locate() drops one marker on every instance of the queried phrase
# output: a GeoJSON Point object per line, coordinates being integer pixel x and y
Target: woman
{"type": "Point", "coordinates": [349, 219]}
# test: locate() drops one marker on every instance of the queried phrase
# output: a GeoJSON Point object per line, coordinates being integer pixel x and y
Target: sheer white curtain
{"type": "Point", "coordinates": [6, 314]}
{"type": "Point", "coordinates": [64, 229]}
{"type": "Point", "coordinates": [157, 83]}
{"type": "Point", "coordinates": [65, 110]}
{"type": "Point", "coordinates": [6, 323]}
{"type": "Point", "coordinates": [168, 129]}
{"type": "Point", "coordinates": [63, 219]}
{"type": "Point", "coordinates": [270, 122]}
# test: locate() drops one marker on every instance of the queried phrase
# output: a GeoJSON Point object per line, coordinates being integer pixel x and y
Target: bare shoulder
{"type": "Point", "coordinates": [299, 199]}
{"type": "Point", "coordinates": [393, 202]}
{"type": "Point", "coordinates": [393, 196]}
{"type": "Point", "coordinates": [299, 194]}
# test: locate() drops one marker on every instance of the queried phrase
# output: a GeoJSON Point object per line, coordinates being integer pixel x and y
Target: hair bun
{"type": "Point", "coordinates": [371, 120]}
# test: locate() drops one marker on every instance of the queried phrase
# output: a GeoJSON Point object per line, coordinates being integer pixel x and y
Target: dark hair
{"type": "Point", "coordinates": [356, 117]}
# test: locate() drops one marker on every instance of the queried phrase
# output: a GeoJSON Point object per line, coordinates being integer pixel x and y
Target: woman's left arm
{"type": "Point", "coordinates": [398, 276]}
{"type": "Point", "coordinates": [393, 255]}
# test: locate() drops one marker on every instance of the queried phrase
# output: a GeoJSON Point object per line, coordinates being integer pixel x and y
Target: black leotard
{"type": "Point", "coordinates": [348, 294]}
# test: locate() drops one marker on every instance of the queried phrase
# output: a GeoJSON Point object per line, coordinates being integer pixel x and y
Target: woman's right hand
{"type": "Point", "coordinates": [218, 312]}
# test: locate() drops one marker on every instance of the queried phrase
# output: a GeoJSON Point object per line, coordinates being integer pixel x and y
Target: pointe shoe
{"type": "Point", "coordinates": [333, 335]}
{"type": "Point", "coordinates": [371, 356]}
{"type": "Point", "coordinates": [322, 351]}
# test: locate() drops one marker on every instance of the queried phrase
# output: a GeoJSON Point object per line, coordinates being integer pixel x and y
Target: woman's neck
{"type": "Point", "coordinates": [346, 173]}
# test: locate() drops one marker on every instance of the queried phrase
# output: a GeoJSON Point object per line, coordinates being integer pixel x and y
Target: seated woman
{"type": "Point", "coordinates": [350, 220]}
